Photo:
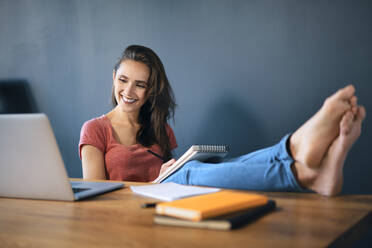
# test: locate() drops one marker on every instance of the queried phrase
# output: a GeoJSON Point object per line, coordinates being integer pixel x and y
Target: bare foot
{"type": "Point", "coordinates": [310, 142]}
{"type": "Point", "coordinates": [328, 178]}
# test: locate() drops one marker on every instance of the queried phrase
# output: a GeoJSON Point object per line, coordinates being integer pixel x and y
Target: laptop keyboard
{"type": "Point", "coordinates": [77, 190]}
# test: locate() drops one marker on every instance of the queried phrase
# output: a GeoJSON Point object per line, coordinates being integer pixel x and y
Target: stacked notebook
{"type": "Point", "coordinates": [223, 210]}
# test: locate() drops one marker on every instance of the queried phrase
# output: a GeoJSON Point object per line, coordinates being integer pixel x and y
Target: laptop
{"type": "Point", "coordinates": [31, 164]}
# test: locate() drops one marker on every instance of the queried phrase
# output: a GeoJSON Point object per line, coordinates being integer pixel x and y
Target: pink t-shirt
{"type": "Point", "coordinates": [123, 163]}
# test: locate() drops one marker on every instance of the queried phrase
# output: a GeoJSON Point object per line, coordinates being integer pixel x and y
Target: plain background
{"type": "Point", "coordinates": [245, 73]}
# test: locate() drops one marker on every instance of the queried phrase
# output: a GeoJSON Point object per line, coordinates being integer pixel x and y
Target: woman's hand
{"type": "Point", "coordinates": [165, 166]}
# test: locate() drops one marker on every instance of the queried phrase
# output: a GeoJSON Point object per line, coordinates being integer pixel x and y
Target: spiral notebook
{"type": "Point", "coordinates": [202, 153]}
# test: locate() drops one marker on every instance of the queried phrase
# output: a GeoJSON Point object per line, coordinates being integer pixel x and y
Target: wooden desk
{"type": "Point", "coordinates": [116, 220]}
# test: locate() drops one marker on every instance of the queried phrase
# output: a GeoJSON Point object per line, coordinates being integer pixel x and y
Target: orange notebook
{"type": "Point", "coordinates": [210, 205]}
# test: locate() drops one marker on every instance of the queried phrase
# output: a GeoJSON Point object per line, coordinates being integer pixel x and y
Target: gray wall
{"type": "Point", "coordinates": [244, 73]}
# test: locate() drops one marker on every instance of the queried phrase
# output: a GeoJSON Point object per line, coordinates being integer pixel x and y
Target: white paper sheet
{"type": "Point", "coordinates": [171, 191]}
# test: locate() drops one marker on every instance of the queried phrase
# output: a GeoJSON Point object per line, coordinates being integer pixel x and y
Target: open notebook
{"type": "Point", "coordinates": [195, 152]}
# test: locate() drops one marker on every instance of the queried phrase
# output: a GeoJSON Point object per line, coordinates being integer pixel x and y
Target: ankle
{"type": "Point", "coordinates": [304, 176]}
{"type": "Point", "coordinates": [292, 145]}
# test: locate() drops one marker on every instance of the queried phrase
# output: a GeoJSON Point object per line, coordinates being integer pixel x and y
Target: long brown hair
{"type": "Point", "coordinates": [160, 104]}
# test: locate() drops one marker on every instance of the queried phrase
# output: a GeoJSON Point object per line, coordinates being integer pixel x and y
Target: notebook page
{"type": "Point", "coordinates": [171, 191]}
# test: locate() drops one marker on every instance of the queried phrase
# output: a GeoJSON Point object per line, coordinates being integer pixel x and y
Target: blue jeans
{"type": "Point", "coordinates": [267, 169]}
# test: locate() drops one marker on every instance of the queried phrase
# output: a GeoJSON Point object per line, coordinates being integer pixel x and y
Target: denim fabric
{"type": "Point", "coordinates": [267, 169]}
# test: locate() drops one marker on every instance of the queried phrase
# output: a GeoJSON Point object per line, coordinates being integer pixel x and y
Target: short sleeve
{"type": "Point", "coordinates": [93, 133]}
{"type": "Point", "coordinates": [172, 137]}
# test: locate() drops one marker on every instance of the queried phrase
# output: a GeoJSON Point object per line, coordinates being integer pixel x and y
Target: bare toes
{"type": "Point", "coordinates": [346, 123]}
{"type": "Point", "coordinates": [354, 101]}
{"type": "Point", "coordinates": [335, 107]}
{"type": "Point", "coordinates": [354, 105]}
{"type": "Point", "coordinates": [361, 114]}
{"type": "Point", "coordinates": [345, 93]}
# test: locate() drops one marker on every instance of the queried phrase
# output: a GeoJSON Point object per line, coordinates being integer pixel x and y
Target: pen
{"type": "Point", "coordinates": [148, 205]}
{"type": "Point", "coordinates": [157, 155]}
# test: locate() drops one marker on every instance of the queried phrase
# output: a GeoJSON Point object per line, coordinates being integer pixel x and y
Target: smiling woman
{"type": "Point", "coordinates": [130, 83]}
{"type": "Point", "coordinates": [115, 146]}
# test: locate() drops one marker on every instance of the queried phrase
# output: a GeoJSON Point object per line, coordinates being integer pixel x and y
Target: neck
{"type": "Point", "coordinates": [117, 115]}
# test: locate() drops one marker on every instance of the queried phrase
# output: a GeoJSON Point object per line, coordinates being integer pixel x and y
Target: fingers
{"type": "Point", "coordinates": [166, 165]}
{"type": "Point", "coordinates": [169, 163]}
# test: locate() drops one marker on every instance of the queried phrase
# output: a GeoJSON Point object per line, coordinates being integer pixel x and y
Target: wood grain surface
{"type": "Point", "coordinates": [116, 220]}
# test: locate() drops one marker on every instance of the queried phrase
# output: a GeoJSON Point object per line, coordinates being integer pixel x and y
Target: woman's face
{"type": "Point", "coordinates": [130, 85]}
